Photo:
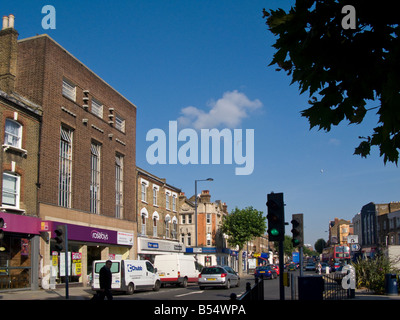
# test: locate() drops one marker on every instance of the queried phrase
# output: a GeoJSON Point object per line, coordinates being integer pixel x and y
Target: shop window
{"type": "Point", "coordinates": [15, 262]}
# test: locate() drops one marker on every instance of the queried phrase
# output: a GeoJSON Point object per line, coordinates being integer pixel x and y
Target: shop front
{"type": "Point", "coordinates": [85, 244]}
{"type": "Point", "coordinates": [19, 251]}
{"type": "Point", "coordinates": [149, 248]}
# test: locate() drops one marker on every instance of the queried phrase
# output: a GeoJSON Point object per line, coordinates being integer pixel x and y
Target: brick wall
{"type": "Point", "coordinates": [42, 66]}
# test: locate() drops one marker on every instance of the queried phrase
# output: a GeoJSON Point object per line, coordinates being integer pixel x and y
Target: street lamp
{"type": "Point", "coordinates": [195, 203]}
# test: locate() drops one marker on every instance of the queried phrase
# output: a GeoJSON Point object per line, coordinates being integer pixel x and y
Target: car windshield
{"type": "Point", "coordinates": [263, 268]}
{"type": "Point", "coordinates": [212, 270]}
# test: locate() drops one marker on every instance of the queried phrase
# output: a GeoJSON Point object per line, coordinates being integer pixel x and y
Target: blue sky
{"type": "Point", "coordinates": [204, 61]}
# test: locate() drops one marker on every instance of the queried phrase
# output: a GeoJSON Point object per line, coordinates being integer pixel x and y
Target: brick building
{"type": "Point", "coordinates": [211, 244]}
{"type": "Point", "coordinates": [86, 170]}
{"type": "Point", "coordinates": [158, 223]}
{"type": "Point", "coordinates": [20, 122]}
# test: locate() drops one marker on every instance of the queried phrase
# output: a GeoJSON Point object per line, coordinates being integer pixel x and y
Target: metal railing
{"type": "Point", "coordinates": [333, 287]}
{"type": "Point", "coordinates": [252, 293]}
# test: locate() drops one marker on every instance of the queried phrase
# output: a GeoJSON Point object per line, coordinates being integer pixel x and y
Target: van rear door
{"type": "Point", "coordinates": [115, 272]}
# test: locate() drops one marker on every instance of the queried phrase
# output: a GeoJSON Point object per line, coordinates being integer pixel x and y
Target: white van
{"type": "Point", "coordinates": [128, 275]}
{"type": "Point", "coordinates": [176, 269]}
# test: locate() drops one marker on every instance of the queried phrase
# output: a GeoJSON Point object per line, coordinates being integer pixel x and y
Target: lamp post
{"type": "Point", "coordinates": [195, 204]}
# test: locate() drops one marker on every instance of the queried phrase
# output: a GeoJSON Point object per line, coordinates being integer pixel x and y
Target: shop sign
{"type": "Point", "coordinates": [125, 238]}
{"type": "Point", "coordinates": [20, 224]}
{"type": "Point", "coordinates": [90, 234]}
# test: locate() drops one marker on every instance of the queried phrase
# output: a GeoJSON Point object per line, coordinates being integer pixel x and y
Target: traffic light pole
{"type": "Point", "coordinates": [66, 263]}
{"type": "Point", "coordinates": [281, 268]}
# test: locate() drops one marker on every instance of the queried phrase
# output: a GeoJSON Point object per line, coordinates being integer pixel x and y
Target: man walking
{"type": "Point", "coordinates": [105, 281]}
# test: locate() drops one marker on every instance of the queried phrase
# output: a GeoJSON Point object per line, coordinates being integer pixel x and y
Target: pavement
{"type": "Point", "coordinates": [85, 293]}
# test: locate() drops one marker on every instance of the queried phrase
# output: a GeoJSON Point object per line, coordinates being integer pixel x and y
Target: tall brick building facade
{"type": "Point", "coordinates": [20, 122]}
{"type": "Point", "coordinates": [86, 174]}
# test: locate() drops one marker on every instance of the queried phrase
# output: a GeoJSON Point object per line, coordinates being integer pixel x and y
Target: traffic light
{"type": "Point", "coordinates": [1, 228]}
{"type": "Point", "coordinates": [297, 230]}
{"type": "Point", "coordinates": [276, 217]}
{"type": "Point", "coordinates": [60, 237]}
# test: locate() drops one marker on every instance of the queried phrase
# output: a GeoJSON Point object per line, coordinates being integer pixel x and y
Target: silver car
{"type": "Point", "coordinates": [218, 276]}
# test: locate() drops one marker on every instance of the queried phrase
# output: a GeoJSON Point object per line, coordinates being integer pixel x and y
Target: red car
{"type": "Point", "coordinates": [276, 268]}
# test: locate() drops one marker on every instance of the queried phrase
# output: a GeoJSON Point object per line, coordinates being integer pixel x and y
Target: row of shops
{"type": "Point", "coordinates": [28, 258]}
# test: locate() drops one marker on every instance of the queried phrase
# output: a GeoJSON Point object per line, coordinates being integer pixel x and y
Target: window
{"type": "Point", "coordinates": [119, 123]}
{"type": "Point", "coordinates": [149, 267]}
{"type": "Point", "coordinates": [208, 239]}
{"type": "Point", "coordinates": [97, 108]}
{"type": "Point", "coordinates": [174, 228]}
{"type": "Point", "coordinates": [167, 225]}
{"type": "Point", "coordinates": [155, 194]}
{"type": "Point", "coordinates": [95, 178]}
{"type": "Point", "coordinates": [119, 186]}
{"type": "Point", "coordinates": [167, 196]}
{"type": "Point", "coordinates": [69, 90]}
{"type": "Point", "coordinates": [189, 218]}
{"type": "Point", "coordinates": [183, 218]}
{"type": "Point", "coordinates": [143, 223]}
{"type": "Point", "coordinates": [189, 239]}
{"type": "Point", "coordinates": [65, 168]}
{"type": "Point", "coordinates": [154, 226]}
{"type": "Point", "coordinates": [174, 202]}
{"type": "Point", "coordinates": [13, 133]}
{"type": "Point", "coordinates": [208, 218]}
{"type": "Point", "coordinates": [11, 190]}
{"type": "Point", "coordinates": [144, 195]}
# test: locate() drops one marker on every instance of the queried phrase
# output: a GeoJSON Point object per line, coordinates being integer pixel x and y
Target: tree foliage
{"type": "Point", "coordinates": [242, 225]}
{"type": "Point", "coordinates": [343, 69]}
{"type": "Point", "coordinates": [319, 245]}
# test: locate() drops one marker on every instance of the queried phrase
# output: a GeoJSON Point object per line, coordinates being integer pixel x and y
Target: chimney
{"type": "Point", "coordinates": [8, 54]}
{"type": "Point", "coordinates": [205, 196]}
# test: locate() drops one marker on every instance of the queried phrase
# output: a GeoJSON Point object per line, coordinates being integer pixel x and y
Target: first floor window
{"type": "Point", "coordinates": [11, 189]}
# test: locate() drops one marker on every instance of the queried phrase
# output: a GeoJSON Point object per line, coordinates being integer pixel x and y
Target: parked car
{"type": "Point", "coordinates": [265, 272]}
{"type": "Point", "coordinates": [276, 268]}
{"type": "Point", "coordinates": [291, 267]}
{"type": "Point", "coordinates": [310, 267]}
{"type": "Point", "coordinates": [217, 276]}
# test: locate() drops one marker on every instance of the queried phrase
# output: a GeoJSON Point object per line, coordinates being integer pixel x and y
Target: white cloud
{"type": "Point", "coordinates": [228, 112]}
{"type": "Point", "coordinates": [334, 141]}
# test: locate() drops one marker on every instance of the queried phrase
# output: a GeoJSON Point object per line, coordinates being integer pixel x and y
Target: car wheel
{"type": "Point", "coordinates": [228, 284]}
{"type": "Point", "coordinates": [157, 286]}
{"type": "Point", "coordinates": [184, 283]}
{"type": "Point", "coordinates": [131, 289]}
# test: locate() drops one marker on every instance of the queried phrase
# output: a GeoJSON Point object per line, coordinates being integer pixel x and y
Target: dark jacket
{"type": "Point", "coordinates": [105, 278]}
